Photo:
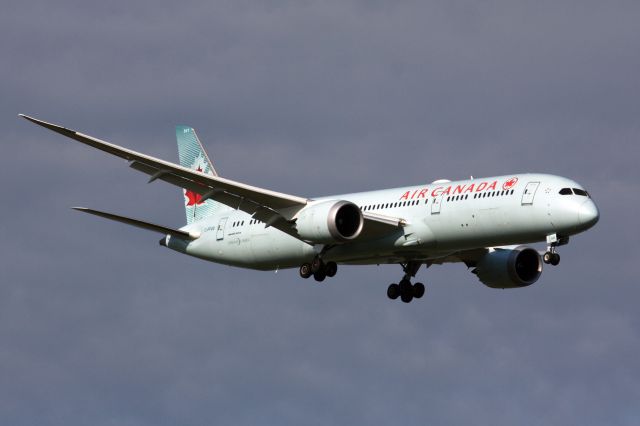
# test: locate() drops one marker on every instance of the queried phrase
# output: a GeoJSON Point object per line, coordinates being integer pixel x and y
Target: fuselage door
{"type": "Point", "coordinates": [529, 193]}
{"type": "Point", "coordinates": [220, 230]}
{"type": "Point", "coordinates": [435, 205]}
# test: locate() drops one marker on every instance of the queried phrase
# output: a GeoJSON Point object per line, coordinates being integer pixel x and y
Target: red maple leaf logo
{"type": "Point", "coordinates": [193, 198]}
{"type": "Point", "coordinates": [510, 183]}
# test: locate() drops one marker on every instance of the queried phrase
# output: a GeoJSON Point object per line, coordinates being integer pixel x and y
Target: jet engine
{"type": "Point", "coordinates": [505, 268]}
{"type": "Point", "coordinates": [329, 222]}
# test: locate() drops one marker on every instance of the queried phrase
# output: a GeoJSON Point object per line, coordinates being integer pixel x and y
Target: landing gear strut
{"type": "Point", "coordinates": [404, 289]}
{"type": "Point", "coordinates": [318, 269]}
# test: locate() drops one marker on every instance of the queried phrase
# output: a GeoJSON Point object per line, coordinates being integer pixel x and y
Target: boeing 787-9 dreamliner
{"type": "Point", "coordinates": [483, 223]}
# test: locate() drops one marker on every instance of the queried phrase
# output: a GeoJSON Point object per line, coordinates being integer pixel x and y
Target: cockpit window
{"type": "Point", "coordinates": [580, 192]}
{"type": "Point", "coordinates": [565, 191]}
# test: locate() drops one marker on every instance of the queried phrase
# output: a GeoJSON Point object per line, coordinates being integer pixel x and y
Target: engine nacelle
{"type": "Point", "coordinates": [329, 222]}
{"type": "Point", "coordinates": [509, 268]}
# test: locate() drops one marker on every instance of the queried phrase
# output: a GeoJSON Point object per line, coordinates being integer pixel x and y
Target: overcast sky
{"type": "Point", "coordinates": [99, 325]}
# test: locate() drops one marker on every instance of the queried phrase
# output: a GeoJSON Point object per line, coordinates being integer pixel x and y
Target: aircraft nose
{"type": "Point", "coordinates": [588, 214]}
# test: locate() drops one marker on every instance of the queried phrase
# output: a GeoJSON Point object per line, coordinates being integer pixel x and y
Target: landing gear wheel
{"type": "Point", "coordinates": [393, 291]}
{"type": "Point", "coordinates": [319, 276]}
{"type": "Point", "coordinates": [330, 269]}
{"type": "Point", "coordinates": [418, 290]}
{"type": "Point", "coordinates": [305, 270]}
{"type": "Point", "coordinates": [552, 258]}
{"type": "Point", "coordinates": [406, 297]}
{"type": "Point", "coordinates": [405, 285]}
{"type": "Point", "coordinates": [316, 264]}
{"type": "Point", "coordinates": [406, 290]}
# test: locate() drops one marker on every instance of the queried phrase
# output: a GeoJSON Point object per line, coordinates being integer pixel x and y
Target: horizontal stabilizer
{"type": "Point", "coordinates": [140, 224]}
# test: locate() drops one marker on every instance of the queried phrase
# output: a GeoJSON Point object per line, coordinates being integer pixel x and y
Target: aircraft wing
{"type": "Point", "coordinates": [273, 208]}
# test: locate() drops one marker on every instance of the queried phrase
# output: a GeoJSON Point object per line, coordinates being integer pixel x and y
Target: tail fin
{"type": "Point", "coordinates": [193, 156]}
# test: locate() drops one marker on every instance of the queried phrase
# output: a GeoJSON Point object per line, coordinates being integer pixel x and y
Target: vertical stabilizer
{"type": "Point", "coordinates": [193, 156]}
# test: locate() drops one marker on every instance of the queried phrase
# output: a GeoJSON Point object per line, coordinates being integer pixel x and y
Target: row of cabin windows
{"type": "Point", "coordinates": [577, 191]}
{"type": "Point", "coordinates": [449, 198]}
{"type": "Point", "coordinates": [390, 205]}
{"type": "Point", "coordinates": [494, 194]}
{"type": "Point", "coordinates": [241, 223]}
{"type": "Point", "coordinates": [483, 195]}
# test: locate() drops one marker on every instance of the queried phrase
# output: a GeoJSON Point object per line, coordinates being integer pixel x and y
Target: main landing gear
{"type": "Point", "coordinates": [404, 289]}
{"type": "Point", "coordinates": [319, 269]}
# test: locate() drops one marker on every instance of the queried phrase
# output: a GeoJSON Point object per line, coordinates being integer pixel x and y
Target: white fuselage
{"type": "Point", "coordinates": [441, 218]}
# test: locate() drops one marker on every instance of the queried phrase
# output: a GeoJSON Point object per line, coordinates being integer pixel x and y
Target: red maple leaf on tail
{"type": "Point", "coordinates": [193, 198]}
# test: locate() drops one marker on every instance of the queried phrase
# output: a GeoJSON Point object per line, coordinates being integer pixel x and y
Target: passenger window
{"type": "Point", "coordinates": [565, 191]}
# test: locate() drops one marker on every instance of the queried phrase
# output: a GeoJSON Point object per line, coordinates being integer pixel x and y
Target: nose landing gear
{"type": "Point", "coordinates": [551, 256]}
{"type": "Point", "coordinates": [404, 289]}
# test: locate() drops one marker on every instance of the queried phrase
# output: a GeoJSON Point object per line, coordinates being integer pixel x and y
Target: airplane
{"type": "Point", "coordinates": [484, 223]}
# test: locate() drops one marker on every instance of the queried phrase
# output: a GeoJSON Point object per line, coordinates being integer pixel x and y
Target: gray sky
{"type": "Point", "coordinates": [99, 325]}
